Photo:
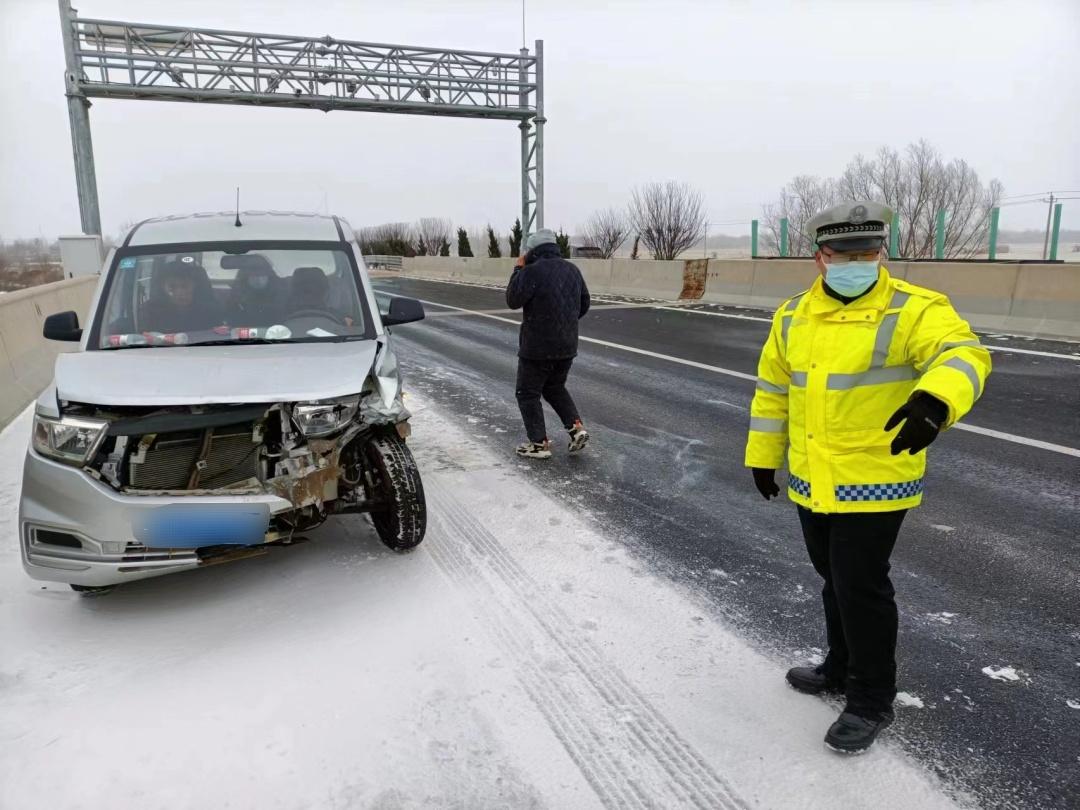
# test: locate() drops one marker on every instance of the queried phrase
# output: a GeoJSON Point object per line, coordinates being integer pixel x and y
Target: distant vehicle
{"type": "Point", "coordinates": [586, 252]}
{"type": "Point", "coordinates": [234, 388]}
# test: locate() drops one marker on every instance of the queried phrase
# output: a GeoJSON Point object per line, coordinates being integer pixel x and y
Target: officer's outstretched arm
{"type": "Point", "coordinates": [768, 439]}
{"type": "Point", "coordinates": [953, 363]}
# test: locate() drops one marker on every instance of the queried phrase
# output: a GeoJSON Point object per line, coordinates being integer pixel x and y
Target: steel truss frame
{"type": "Point", "coordinates": [113, 59]}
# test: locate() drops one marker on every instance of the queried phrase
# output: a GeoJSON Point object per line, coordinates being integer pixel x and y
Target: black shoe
{"type": "Point", "coordinates": [814, 681]}
{"type": "Point", "coordinates": [853, 733]}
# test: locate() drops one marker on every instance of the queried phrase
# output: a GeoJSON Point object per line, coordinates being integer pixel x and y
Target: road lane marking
{"type": "Point", "coordinates": [1009, 437]}
{"type": "Point", "coordinates": [633, 350]}
{"type": "Point", "coordinates": [671, 308]}
{"type": "Point", "coordinates": [1036, 353]}
{"type": "Point", "coordinates": [994, 434]}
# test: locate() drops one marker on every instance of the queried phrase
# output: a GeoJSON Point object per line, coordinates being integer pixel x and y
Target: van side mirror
{"type": "Point", "coordinates": [62, 326]}
{"type": "Point", "coordinates": [403, 310]}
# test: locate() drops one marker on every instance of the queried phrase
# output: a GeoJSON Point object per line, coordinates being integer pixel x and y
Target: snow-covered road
{"type": "Point", "coordinates": [517, 659]}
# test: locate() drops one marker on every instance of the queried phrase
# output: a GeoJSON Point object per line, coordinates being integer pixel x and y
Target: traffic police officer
{"type": "Point", "coordinates": [846, 363]}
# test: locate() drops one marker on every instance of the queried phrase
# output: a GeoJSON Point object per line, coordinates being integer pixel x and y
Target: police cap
{"type": "Point", "coordinates": [851, 226]}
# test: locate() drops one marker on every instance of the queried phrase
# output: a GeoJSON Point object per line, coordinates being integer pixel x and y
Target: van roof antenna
{"type": "Point", "coordinates": [238, 223]}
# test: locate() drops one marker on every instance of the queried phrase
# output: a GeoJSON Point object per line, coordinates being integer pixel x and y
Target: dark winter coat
{"type": "Point", "coordinates": [553, 296]}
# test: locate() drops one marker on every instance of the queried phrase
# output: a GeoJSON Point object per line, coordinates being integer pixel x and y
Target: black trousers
{"type": "Point", "coordinates": [547, 379]}
{"type": "Point", "coordinates": [851, 553]}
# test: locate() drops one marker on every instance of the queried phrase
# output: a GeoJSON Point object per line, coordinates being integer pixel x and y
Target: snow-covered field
{"type": "Point", "coordinates": [517, 659]}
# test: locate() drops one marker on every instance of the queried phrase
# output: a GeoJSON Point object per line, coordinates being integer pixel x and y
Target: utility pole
{"type": "Point", "coordinates": [1049, 213]}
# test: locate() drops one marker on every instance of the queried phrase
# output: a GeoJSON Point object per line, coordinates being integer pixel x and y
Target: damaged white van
{"type": "Point", "coordinates": [235, 387]}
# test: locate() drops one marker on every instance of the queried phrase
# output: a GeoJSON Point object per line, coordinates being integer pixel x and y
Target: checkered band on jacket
{"type": "Point", "coordinates": [798, 486]}
{"type": "Point", "coordinates": [879, 492]}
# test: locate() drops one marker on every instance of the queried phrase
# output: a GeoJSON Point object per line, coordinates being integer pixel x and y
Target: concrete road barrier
{"type": "Point", "coordinates": [729, 282]}
{"type": "Point", "coordinates": [1046, 300]}
{"type": "Point", "coordinates": [1041, 300]}
{"type": "Point", "coordinates": [26, 358]}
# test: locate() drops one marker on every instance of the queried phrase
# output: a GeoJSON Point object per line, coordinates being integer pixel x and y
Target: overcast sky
{"type": "Point", "coordinates": [735, 98]}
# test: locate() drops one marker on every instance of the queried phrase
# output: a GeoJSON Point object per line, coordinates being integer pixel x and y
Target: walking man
{"type": "Point", "coordinates": [552, 296]}
{"type": "Point", "coordinates": [846, 363]}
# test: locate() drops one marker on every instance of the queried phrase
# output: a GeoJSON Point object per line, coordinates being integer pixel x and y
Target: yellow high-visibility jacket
{"type": "Point", "coordinates": [831, 375]}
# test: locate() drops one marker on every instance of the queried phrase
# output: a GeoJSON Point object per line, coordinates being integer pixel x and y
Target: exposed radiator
{"type": "Point", "coordinates": [232, 457]}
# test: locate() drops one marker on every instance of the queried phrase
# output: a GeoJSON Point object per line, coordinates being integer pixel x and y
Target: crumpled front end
{"type": "Point", "coordinates": [382, 403]}
{"type": "Point", "coordinates": [172, 488]}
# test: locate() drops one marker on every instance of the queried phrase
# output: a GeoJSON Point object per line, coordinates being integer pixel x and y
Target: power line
{"type": "Point", "coordinates": [1038, 200]}
{"type": "Point", "coordinates": [1042, 193]}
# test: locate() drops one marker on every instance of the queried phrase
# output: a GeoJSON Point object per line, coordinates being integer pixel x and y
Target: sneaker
{"type": "Point", "coordinates": [579, 436]}
{"type": "Point", "coordinates": [854, 733]}
{"type": "Point", "coordinates": [535, 449]}
{"type": "Point", "coordinates": [814, 681]}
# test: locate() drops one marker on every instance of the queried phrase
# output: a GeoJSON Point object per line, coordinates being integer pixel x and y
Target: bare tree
{"type": "Point", "coordinates": [916, 185]}
{"type": "Point", "coordinates": [388, 239]}
{"type": "Point", "coordinates": [799, 201]}
{"type": "Point", "coordinates": [670, 217]}
{"type": "Point", "coordinates": [431, 232]}
{"type": "Point", "coordinates": [606, 230]}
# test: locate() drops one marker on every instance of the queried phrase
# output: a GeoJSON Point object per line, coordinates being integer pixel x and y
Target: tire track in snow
{"type": "Point", "coordinates": [627, 750]}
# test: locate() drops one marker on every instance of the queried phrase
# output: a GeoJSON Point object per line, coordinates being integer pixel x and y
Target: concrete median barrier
{"type": "Point", "coordinates": [1041, 300]}
{"type": "Point", "coordinates": [27, 358]}
{"type": "Point", "coordinates": [729, 282]}
{"type": "Point", "coordinates": [442, 267]}
{"type": "Point", "coordinates": [775, 280]}
{"type": "Point", "coordinates": [647, 278]}
{"type": "Point", "coordinates": [597, 273]}
{"type": "Point", "coordinates": [1046, 300]}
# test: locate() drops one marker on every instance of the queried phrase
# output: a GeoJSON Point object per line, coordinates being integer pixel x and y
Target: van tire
{"type": "Point", "coordinates": [93, 590]}
{"type": "Point", "coordinates": [402, 522]}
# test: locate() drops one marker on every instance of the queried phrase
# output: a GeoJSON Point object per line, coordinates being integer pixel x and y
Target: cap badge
{"type": "Point", "coordinates": [857, 215]}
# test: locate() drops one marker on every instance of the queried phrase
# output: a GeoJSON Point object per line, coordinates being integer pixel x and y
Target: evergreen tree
{"type": "Point", "coordinates": [634, 252]}
{"type": "Point", "coordinates": [421, 248]}
{"type": "Point", "coordinates": [494, 251]}
{"type": "Point", "coordinates": [463, 246]}
{"type": "Point", "coordinates": [515, 238]}
{"type": "Point", "coordinates": [563, 241]}
{"type": "Point", "coordinates": [444, 247]}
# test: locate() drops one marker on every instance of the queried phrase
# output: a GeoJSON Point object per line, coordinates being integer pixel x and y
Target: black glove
{"type": "Point", "coordinates": [765, 481]}
{"type": "Point", "coordinates": [924, 415]}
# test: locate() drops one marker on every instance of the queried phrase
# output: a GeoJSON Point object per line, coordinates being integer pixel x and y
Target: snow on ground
{"type": "Point", "coordinates": [1001, 673]}
{"type": "Point", "coordinates": [517, 659]}
{"type": "Point", "coordinates": [912, 701]}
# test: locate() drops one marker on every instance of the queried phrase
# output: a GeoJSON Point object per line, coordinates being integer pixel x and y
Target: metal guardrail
{"type": "Point", "coordinates": [383, 262]}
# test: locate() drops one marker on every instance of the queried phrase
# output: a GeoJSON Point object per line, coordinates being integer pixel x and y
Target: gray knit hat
{"type": "Point", "coordinates": [544, 236]}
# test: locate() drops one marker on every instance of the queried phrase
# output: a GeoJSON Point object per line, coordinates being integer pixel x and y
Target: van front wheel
{"type": "Point", "coordinates": [401, 517]}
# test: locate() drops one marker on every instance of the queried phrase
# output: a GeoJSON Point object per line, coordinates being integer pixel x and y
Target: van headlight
{"type": "Point", "coordinates": [70, 439]}
{"type": "Point", "coordinates": [325, 416]}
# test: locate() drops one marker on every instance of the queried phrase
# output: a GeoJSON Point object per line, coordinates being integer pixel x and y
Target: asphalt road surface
{"type": "Point", "coordinates": [987, 571]}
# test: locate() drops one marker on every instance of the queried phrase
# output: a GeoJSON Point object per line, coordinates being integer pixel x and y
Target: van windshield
{"type": "Point", "coordinates": [213, 297]}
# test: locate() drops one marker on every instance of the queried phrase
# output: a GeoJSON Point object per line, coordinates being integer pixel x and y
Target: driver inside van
{"type": "Point", "coordinates": [311, 294]}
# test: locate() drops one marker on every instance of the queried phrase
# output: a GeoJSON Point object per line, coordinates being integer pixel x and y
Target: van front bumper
{"type": "Point", "coordinates": [76, 530]}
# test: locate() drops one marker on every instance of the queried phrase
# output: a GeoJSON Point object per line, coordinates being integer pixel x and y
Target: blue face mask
{"type": "Point", "coordinates": [851, 279]}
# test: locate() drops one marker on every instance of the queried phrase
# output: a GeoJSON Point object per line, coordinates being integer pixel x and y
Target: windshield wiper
{"type": "Point", "coordinates": [235, 341]}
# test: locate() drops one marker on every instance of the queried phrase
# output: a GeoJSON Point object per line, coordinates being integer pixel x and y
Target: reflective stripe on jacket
{"type": "Point", "coordinates": [831, 375]}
